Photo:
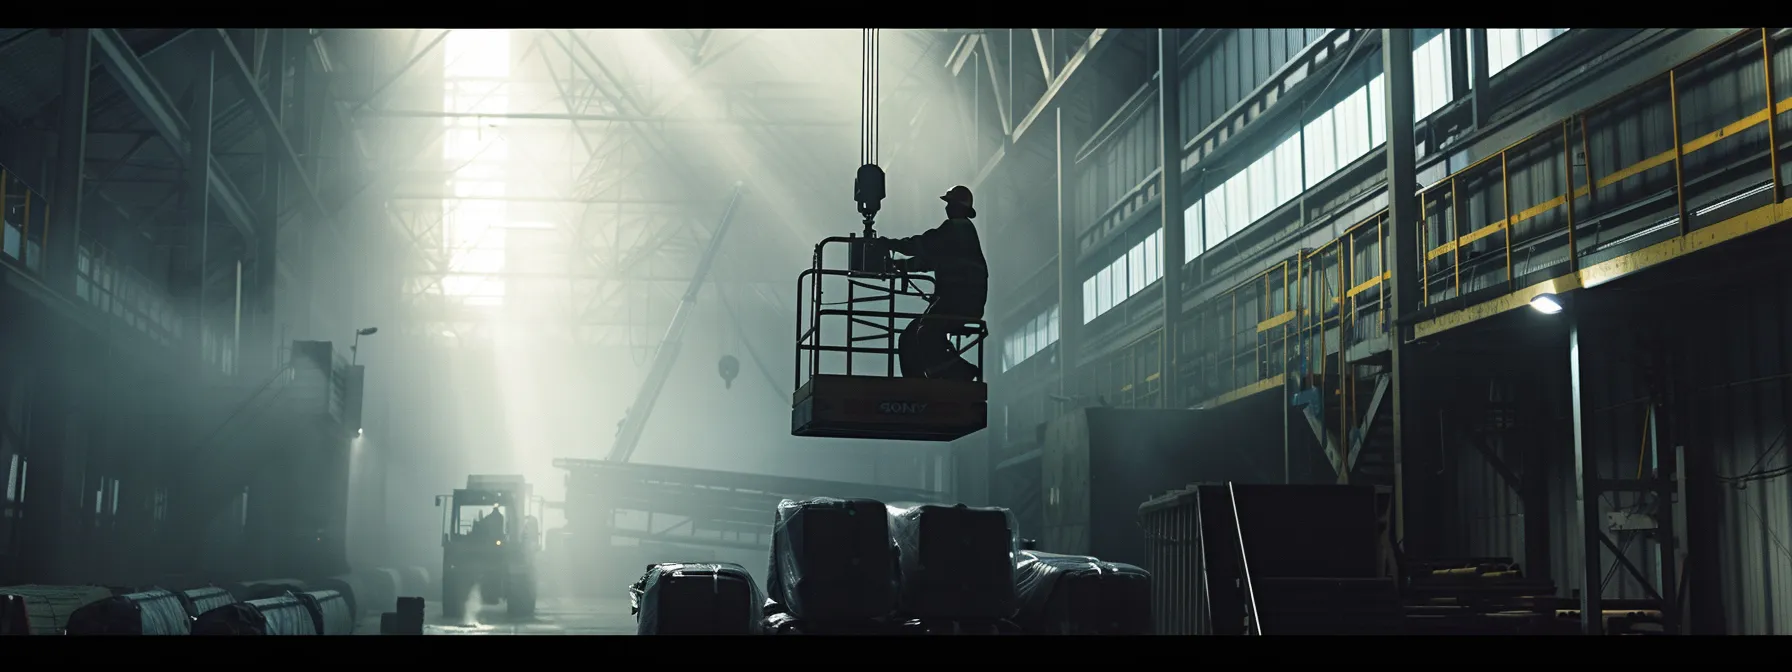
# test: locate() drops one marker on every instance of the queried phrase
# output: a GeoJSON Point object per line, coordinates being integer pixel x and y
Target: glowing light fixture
{"type": "Point", "coordinates": [1547, 304]}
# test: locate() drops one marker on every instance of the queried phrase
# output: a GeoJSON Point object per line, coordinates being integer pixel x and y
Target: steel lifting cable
{"type": "Point", "coordinates": [868, 88]}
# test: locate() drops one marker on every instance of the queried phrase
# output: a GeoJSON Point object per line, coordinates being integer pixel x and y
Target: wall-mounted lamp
{"type": "Point", "coordinates": [1547, 304]}
{"type": "Point", "coordinates": [354, 351]}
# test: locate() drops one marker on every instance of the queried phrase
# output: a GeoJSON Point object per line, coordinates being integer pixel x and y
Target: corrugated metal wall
{"type": "Point", "coordinates": [1738, 403]}
{"type": "Point", "coordinates": [1733, 381]}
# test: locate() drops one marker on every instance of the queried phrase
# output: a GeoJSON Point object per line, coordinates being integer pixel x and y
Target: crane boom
{"type": "Point", "coordinates": [629, 434]}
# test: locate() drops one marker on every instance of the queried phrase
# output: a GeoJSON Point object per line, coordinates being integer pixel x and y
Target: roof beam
{"type": "Point", "coordinates": [270, 122]}
{"type": "Point", "coordinates": [154, 103]}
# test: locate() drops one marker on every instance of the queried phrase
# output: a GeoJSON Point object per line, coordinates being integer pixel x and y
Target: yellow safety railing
{"type": "Point", "coordinates": [27, 216]}
{"type": "Point", "coordinates": [1574, 192]}
{"type": "Point", "coordinates": [1242, 337]}
{"type": "Point", "coordinates": [1600, 183]}
{"type": "Point", "coordinates": [1131, 377]}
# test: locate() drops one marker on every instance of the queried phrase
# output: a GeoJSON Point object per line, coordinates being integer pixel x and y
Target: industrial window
{"type": "Point", "coordinates": [1135, 264]}
{"type": "Point", "coordinates": [1090, 312]}
{"type": "Point", "coordinates": [1506, 45]}
{"type": "Point", "coordinates": [1151, 252]}
{"type": "Point", "coordinates": [125, 295]}
{"type": "Point", "coordinates": [1432, 86]}
{"type": "Point", "coordinates": [1102, 298]}
{"type": "Point", "coordinates": [1116, 283]}
{"type": "Point", "coordinates": [1345, 132]}
{"type": "Point", "coordinates": [1030, 339]}
{"type": "Point", "coordinates": [16, 470]}
{"type": "Point", "coordinates": [1128, 275]}
{"type": "Point", "coordinates": [12, 509]}
{"type": "Point", "coordinates": [1193, 232]}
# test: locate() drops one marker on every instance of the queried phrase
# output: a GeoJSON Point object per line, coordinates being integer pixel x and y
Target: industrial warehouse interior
{"type": "Point", "coordinates": [1243, 331]}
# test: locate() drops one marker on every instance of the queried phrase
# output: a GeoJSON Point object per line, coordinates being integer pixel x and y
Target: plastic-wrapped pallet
{"type": "Point", "coordinates": [696, 599]}
{"type": "Point", "coordinates": [1080, 595]}
{"type": "Point", "coordinates": [832, 561]}
{"type": "Point", "coordinates": [957, 562]}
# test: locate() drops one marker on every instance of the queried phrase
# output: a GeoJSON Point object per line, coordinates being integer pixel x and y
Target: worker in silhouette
{"type": "Point", "coordinates": [490, 527]}
{"type": "Point", "coordinates": [954, 254]}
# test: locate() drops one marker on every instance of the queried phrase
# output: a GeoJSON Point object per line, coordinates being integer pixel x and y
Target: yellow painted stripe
{"type": "Point", "coordinates": [1539, 209]}
{"type": "Point", "coordinates": [1254, 388]}
{"type": "Point", "coordinates": [1733, 128]}
{"type": "Point", "coordinates": [1633, 170]}
{"type": "Point", "coordinates": [1607, 271]}
{"type": "Point", "coordinates": [1368, 284]}
{"type": "Point", "coordinates": [1472, 236]}
{"type": "Point", "coordinates": [1153, 377]}
{"type": "Point", "coordinates": [1274, 322]}
{"type": "Point", "coordinates": [1656, 161]}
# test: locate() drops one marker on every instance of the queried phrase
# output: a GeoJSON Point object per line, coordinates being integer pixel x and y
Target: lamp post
{"type": "Point", "coordinates": [354, 351]}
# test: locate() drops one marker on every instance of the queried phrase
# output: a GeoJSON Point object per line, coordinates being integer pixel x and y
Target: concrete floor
{"type": "Point", "coordinates": [563, 616]}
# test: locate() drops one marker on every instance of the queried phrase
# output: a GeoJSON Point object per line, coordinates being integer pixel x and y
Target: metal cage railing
{"type": "Point", "coordinates": [861, 325]}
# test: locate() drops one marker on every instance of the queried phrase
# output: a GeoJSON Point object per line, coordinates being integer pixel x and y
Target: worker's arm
{"type": "Point", "coordinates": [917, 248]}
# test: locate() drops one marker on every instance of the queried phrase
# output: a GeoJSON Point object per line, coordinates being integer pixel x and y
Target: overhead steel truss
{"type": "Point", "coordinates": [213, 168]}
{"type": "Point", "coordinates": [640, 208]}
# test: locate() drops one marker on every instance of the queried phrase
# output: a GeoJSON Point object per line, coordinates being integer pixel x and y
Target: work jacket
{"type": "Point", "coordinates": [954, 253]}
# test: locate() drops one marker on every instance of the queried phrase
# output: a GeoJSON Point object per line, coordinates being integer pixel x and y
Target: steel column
{"type": "Point", "coordinates": [269, 118]}
{"type": "Point", "coordinates": [1459, 72]}
{"type": "Point", "coordinates": [1403, 226]}
{"type": "Point", "coordinates": [157, 107]}
{"type": "Point", "coordinates": [1070, 295]}
{"type": "Point", "coordinates": [1169, 125]}
{"type": "Point", "coordinates": [199, 194]}
{"type": "Point", "coordinates": [265, 352]}
{"type": "Point", "coordinates": [1483, 96]}
{"type": "Point", "coordinates": [635, 421]}
{"type": "Point", "coordinates": [64, 235]}
{"type": "Point", "coordinates": [1586, 490]}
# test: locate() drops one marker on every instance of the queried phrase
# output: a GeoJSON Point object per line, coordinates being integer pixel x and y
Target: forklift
{"type": "Point", "coordinates": [491, 535]}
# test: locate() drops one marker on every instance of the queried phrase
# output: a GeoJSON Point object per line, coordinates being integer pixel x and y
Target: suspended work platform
{"type": "Point", "coordinates": [857, 392]}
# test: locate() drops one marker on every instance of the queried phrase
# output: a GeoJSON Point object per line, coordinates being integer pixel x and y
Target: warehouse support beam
{"type": "Point", "coordinates": [1483, 92]}
{"type": "Point", "coordinates": [64, 236]}
{"type": "Point", "coordinates": [157, 107]}
{"type": "Point", "coordinates": [250, 88]}
{"type": "Point", "coordinates": [1070, 294]}
{"type": "Point", "coordinates": [263, 352]}
{"type": "Point", "coordinates": [1169, 119]}
{"type": "Point", "coordinates": [197, 200]}
{"type": "Point", "coordinates": [408, 65]}
{"type": "Point", "coordinates": [1459, 70]}
{"type": "Point", "coordinates": [1083, 54]}
{"type": "Point", "coordinates": [1403, 226]}
{"type": "Point", "coordinates": [1586, 491]}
